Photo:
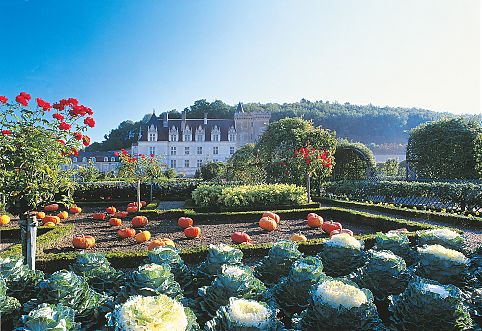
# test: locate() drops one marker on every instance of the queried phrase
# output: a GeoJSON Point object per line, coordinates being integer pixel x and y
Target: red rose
{"type": "Point", "coordinates": [73, 101]}
{"type": "Point", "coordinates": [43, 104]}
{"type": "Point", "coordinates": [64, 126]}
{"type": "Point", "coordinates": [152, 155]}
{"type": "Point", "coordinates": [25, 95]}
{"type": "Point", "coordinates": [116, 153]}
{"type": "Point", "coordinates": [6, 132]}
{"type": "Point", "coordinates": [61, 141]}
{"type": "Point", "coordinates": [86, 140]}
{"type": "Point", "coordinates": [58, 116]}
{"type": "Point", "coordinates": [21, 100]}
{"type": "Point", "coordinates": [75, 151]}
{"type": "Point", "coordinates": [3, 99]}
{"type": "Point", "coordinates": [89, 121]}
{"type": "Point", "coordinates": [78, 135]}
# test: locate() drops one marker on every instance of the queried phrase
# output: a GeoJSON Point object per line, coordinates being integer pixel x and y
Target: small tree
{"type": "Point", "coordinates": [245, 166]}
{"type": "Point", "coordinates": [212, 170]}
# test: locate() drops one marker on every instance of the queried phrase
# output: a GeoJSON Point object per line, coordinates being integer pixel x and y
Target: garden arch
{"type": "Point", "coordinates": [353, 161]}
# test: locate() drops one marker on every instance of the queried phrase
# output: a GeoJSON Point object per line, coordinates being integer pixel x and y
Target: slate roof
{"type": "Point", "coordinates": [99, 156]}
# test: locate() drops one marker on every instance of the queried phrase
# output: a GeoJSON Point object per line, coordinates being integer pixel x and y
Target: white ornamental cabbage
{"type": "Point", "coordinates": [441, 236]}
{"type": "Point", "coordinates": [336, 293]}
{"type": "Point", "coordinates": [249, 313]}
{"type": "Point", "coordinates": [445, 265]}
{"type": "Point", "coordinates": [344, 240]}
{"type": "Point", "coordinates": [443, 253]}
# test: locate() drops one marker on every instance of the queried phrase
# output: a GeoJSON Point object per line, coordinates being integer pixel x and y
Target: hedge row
{"type": "Point", "coordinates": [466, 196]}
{"type": "Point", "coordinates": [432, 215]}
{"type": "Point", "coordinates": [189, 204]}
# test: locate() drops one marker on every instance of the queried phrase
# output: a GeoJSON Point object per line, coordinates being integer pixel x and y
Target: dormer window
{"type": "Point", "coordinates": [232, 134]}
{"type": "Point", "coordinates": [173, 134]}
{"type": "Point", "coordinates": [112, 159]}
{"type": "Point", "coordinates": [74, 159]}
{"type": "Point", "coordinates": [106, 159]}
{"type": "Point", "coordinates": [152, 133]}
{"type": "Point", "coordinates": [187, 134]}
{"type": "Point", "coordinates": [199, 134]}
{"type": "Point", "coordinates": [215, 134]}
{"type": "Point", "coordinates": [84, 159]}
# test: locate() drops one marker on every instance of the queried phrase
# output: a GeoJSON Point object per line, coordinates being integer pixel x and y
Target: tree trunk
{"type": "Point", "coordinates": [138, 195]}
{"type": "Point", "coordinates": [308, 188]}
{"type": "Point", "coordinates": [28, 234]}
{"type": "Point", "coordinates": [150, 195]}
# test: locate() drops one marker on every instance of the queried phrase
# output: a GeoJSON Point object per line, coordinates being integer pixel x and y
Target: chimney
{"type": "Point", "coordinates": [183, 122]}
{"type": "Point", "coordinates": [165, 119]}
{"type": "Point", "coordinates": [205, 118]}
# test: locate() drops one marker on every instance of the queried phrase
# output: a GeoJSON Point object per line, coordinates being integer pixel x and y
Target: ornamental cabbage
{"type": "Point", "coordinates": [49, 317]}
{"type": "Point", "coordinates": [234, 281]}
{"type": "Point", "coordinates": [8, 305]}
{"type": "Point", "coordinates": [152, 313]}
{"type": "Point", "coordinates": [383, 274]}
{"type": "Point", "coordinates": [442, 264]}
{"type": "Point", "coordinates": [341, 255]}
{"type": "Point", "coordinates": [244, 315]}
{"type": "Point", "coordinates": [337, 304]}
{"type": "Point", "coordinates": [397, 242]}
{"type": "Point", "coordinates": [218, 255]}
{"type": "Point", "coordinates": [293, 291]}
{"type": "Point", "coordinates": [441, 236]}
{"type": "Point", "coordinates": [150, 280]}
{"type": "Point", "coordinates": [21, 281]}
{"type": "Point", "coordinates": [96, 269]}
{"type": "Point", "coordinates": [428, 305]}
{"type": "Point", "coordinates": [278, 262]}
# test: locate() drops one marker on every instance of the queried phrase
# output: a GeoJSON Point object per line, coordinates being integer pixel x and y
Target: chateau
{"type": "Point", "coordinates": [185, 144]}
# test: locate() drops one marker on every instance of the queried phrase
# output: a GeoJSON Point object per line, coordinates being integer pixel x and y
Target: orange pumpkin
{"type": "Point", "coordinates": [40, 215]}
{"type": "Point", "coordinates": [139, 221]}
{"type": "Point", "coordinates": [192, 232]}
{"type": "Point", "coordinates": [63, 215]}
{"type": "Point", "coordinates": [115, 221]}
{"type": "Point", "coordinates": [311, 215]}
{"type": "Point", "coordinates": [267, 224]}
{"type": "Point", "coordinates": [159, 242]}
{"type": "Point", "coordinates": [110, 210]}
{"type": "Point", "coordinates": [121, 214]}
{"type": "Point", "coordinates": [143, 204]}
{"type": "Point", "coordinates": [84, 242]}
{"type": "Point", "coordinates": [75, 210]}
{"type": "Point", "coordinates": [185, 222]}
{"type": "Point", "coordinates": [49, 224]}
{"type": "Point", "coordinates": [126, 233]}
{"type": "Point", "coordinates": [98, 216]}
{"type": "Point", "coordinates": [298, 237]}
{"type": "Point", "coordinates": [50, 218]}
{"type": "Point", "coordinates": [315, 222]}
{"type": "Point", "coordinates": [272, 216]}
{"type": "Point", "coordinates": [132, 204]}
{"type": "Point", "coordinates": [4, 219]}
{"type": "Point", "coordinates": [132, 209]}
{"type": "Point", "coordinates": [143, 236]}
{"type": "Point", "coordinates": [51, 207]}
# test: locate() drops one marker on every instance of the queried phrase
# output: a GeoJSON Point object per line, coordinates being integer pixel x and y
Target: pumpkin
{"type": "Point", "coordinates": [115, 221]}
{"type": "Point", "coordinates": [311, 215]}
{"type": "Point", "coordinates": [98, 216]}
{"type": "Point", "coordinates": [132, 204]}
{"type": "Point", "coordinates": [4, 219]}
{"type": "Point", "coordinates": [185, 222]}
{"type": "Point", "coordinates": [267, 224]}
{"type": "Point", "coordinates": [143, 204]}
{"type": "Point", "coordinates": [241, 238]}
{"type": "Point", "coordinates": [110, 210]}
{"type": "Point", "coordinates": [298, 237]}
{"type": "Point", "coordinates": [40, 215]}
{"type": "Point", "coordinates": [192, 232]}
{"type": "Point", "coordinates": [83, 242]}
{"type": "Point", "coordinates": [272, 216]}
{"type": "Point", "coordinates": [49, 224]}
{"type": "Point", "coordinates": [63, 215]}
{"type": "Point", "coordinates": [75, 210]}
{"type": "Point", "coordinates": [50, 218]}
{"type": "Point", "coordinates": [329, 226]}
{"type": "Point", "coordinates": [126, 233]}
{"type": "Point", "coordinates": [121, 214]}
{"type": "Point", "coordinates": [143, 236]}
{"type": "Point", "coordinates": [315, 222]}
{"type": "Point", "coordinates": [51, 207]}
{"type": "Point", "coordinates": [159, 242]}
{"type": "Point", "coordinates": [139, 221]}
{"type": "Point", "coordinates": [132, 209]}
{"type": "Point", "coordinates": [332, 233]}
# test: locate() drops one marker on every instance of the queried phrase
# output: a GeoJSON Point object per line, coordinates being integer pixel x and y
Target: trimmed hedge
{"type": "Point", "coordinates": [310, 205]}
{"type": "Point", "coordinates": [450, 219]}
{"type": "Point", "coordinates": [466, 196]}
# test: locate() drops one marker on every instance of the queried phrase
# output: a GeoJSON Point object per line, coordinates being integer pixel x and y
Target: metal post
{"type": "Point", "coordinates": [28, 234]}
{"type": "Point", "coordinates": [308, 188]}
{"type": "Point", "coordinates": [138, 195]}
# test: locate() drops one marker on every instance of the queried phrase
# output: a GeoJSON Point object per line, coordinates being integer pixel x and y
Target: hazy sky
{"type": "Point", "coordinates": [124, 58]}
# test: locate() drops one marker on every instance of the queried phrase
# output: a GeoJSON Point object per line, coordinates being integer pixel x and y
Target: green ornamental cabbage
{"type": "Point", "coordinates": [8, 305]}
{"type": "Point", "coordinates": [441, 236]}
{"type": "Point", "coordinates": [428, 305]}
{"type": "Point", "coordinates": [472, 292]}
{"type": "Point", "coordinates": [341, 255]}
{"type": "Point", "coordinates": [397, 242]}
{"type": "Point", "coordinates": [244, 315]}
{"type": "Point", "coordinates": [21, 281]}
{"type": "Point", "coordinates": [337, 304]}
{"type": "Point", "coordinates": [152, 313]}
{"type": "Point", "coordinates": [383, 274]}
{"type": "Point", "coordinates": [233, 281]}
{"type": "Point", "coordinates": [293, 291]}
{"type": "Point", "coordinates": [49, 317]}
{"type": "Point", "coordinates": [278, 263]}
{"type": "Point", "coordinates": [442, 264]}
{"type": "Point", "coordinates": [218, 255]}
{"type": "Point", "coordinates": [96, 269]}
{"type": "Point", "coordinates": [150, 280]}
{"type": "Point", "coordinates": [167, 255]}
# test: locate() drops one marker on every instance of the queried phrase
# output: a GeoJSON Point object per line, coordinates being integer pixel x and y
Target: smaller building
{"type": "Point", "coordinates": [103, 161]}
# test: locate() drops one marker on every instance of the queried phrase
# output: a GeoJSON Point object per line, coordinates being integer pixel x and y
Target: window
{"type": "Point", "coordinates": [215, 160]}
{"type": "Point", "coordinates": [186, 150]}
{"type": "Point", "coordinates": [215, 134]}
{"type": "Point", "coordinates": [152, 151]}
{"type": "Point", "coordinates": [199, 163]}
{"type": "Point", "coordinates": [173, 134]}
{"type": "Point", "coordinates": [74, 159]}
{"type": "Point", "coordinates": [152, 136]}
{"type": "Point", "coordinates": [112, 159]}
{"type": "Point", "coordinates": [215, 150]}
{"type": "Point", "coordinates": [173, 163]}
{"type": "Point", "coordinates": [93, 159]}
{"type": "Point", "coordinates": [232, 137]}
{"type": "Point", "coordinates": [84, 159]}
{"type": "Point", "coordinates": [186, 163]}
{"type": "Point", "coordinates": [173, 150]}
{"type": "Point", "coordinates": [231, 150]}
{"type": "Point", "coordinates": [106, 159]}
{"type": "Point", "coordinates": [199, 150]}
{"type": "Point", "coordinates": [199, 134]}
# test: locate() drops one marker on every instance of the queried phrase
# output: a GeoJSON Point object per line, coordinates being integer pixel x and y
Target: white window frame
{"type": "Point", "coordinates": [199, 150]}
{"type": "Point", "coordinates": [199, 163]}
{"type": "Point", "coordinates": [173, 150]}
{"type": "Point", "coordinates": [231, 150]}
{"type": "Point", "coordinates": [186, 163]}
{"type": "Point", "coordinates": [173, 164]}
{"type": "Point", "coordinates": [186, 150]}
{"type": "Point", "coordinates": [215, 150]}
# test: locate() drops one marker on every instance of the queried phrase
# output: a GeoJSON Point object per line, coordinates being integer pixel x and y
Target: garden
{"type": "Point", "coordinates": [267, 242]}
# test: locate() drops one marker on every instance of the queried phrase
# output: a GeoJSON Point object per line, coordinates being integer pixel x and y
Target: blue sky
{"type": "Point", "coordinates": [124, 58]}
